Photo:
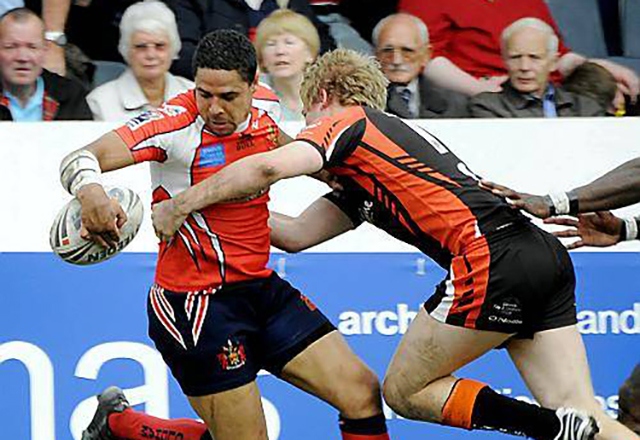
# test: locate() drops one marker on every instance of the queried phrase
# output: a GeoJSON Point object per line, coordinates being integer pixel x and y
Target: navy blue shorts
{"type": "Point", "coordinates": [214, 342]}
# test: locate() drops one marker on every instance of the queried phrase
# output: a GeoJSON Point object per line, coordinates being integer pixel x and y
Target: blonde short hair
{"type": "Point", "coordinates": [347, 76]}
{"type": "Point", "coordinates": [286, 21]}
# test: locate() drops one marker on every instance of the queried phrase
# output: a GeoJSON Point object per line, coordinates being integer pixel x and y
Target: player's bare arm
{"type": "Point", "coordinates": [240, 179]}
{"type": "Point", "coordinates": [319, 222]}
{"type": "Point", "coordinates": [600, 229]}
{"type": "Point", "coordinates": [618, 188]}
{"type": "Point", "coordinates": [80, 175]}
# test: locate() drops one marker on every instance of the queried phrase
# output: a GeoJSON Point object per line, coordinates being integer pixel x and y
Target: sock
{"type": "Point", "coordinates": [134, 425]}
{"type": "Point", "coordinates": [473, 405]}
{"type": "Point", "coordinates": [371, 428]}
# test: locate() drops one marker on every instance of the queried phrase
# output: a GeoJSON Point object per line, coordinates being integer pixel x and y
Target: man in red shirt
{"type": "Point", "coordinates": [465, 35]}
{"type": "Point", "coordinates": [510, 283]}
{"type": "Point", "coordinates": [217, 313]}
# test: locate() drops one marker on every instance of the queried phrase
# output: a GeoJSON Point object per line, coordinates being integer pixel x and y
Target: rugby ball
{"type": "Point", "coordinates": [67, 243]}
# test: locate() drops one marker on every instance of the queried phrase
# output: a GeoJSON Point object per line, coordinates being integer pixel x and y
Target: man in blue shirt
{"type": "Point", "coordinates": [30, 93]}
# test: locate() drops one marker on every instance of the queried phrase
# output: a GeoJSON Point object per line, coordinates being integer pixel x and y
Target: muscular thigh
{"type": "Point", "coordinates": [431, 350]}
{"type": "Point", "coordinates": [234, 414]}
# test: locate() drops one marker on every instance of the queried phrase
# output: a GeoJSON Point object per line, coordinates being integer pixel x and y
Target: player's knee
{"type": "Point", "coordinates": [392, 392]}
{"type": "Point", "coordinates": [363, 399]}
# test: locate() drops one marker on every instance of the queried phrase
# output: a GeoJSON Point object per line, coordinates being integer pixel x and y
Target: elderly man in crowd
{"type": "Point", "coordinates": [28, 92]}
{"type": "Point", "coordinates": [402, 47]}
{"type": "Point", "coordinates": [530, 52]}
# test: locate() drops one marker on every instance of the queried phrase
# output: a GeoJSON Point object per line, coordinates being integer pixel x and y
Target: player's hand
{"type": "Point", "coordinates": [600, 229]}
{"type": "Point", "coordinates": [328, 178]}
{"type": "Point", "coordinates": [102, 217]}
{"type": "Point", "coordinates": [166, 219]}
{"type": "Point", "coordinates": [539, 206]}
{"type": "Point", "coordinates": [54, 59]}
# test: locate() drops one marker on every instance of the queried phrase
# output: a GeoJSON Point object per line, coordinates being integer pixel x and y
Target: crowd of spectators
{"type": "Point", "coordinates": [443, 58]}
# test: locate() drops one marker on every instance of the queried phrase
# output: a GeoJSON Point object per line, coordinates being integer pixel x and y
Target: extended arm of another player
{"type": "Point", "coordinates": [243, 178]}
{"type": "Point", "coordinates": [618, 188]}
{"type": "Point", "coordinates": [80, 175]}
{"type": "Point", "coordinates": [319, 222]}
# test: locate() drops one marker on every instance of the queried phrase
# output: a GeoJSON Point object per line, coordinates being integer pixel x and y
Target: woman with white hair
{"type": "Point", "coordinates": [149, 41]}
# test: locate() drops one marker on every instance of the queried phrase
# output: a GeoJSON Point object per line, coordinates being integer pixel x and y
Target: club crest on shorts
{"type": "Point", "coordinates": [232, 356]}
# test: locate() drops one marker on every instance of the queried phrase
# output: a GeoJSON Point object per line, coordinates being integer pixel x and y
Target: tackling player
{"type": "Point", "coordinates": [217, 314]}
{"type": "Point", "coordinates": [509, 284]}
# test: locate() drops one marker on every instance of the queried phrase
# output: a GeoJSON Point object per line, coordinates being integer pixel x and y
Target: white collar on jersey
{"type": "Point", "coordinates": [242, 127]}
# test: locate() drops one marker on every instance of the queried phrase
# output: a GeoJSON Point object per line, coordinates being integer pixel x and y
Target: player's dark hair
{"type": "Point", "coordinates": [225, 49]}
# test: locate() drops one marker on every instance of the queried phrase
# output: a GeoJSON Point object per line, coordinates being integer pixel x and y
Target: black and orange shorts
{"type": "Point", "coordinates": [518, 280]}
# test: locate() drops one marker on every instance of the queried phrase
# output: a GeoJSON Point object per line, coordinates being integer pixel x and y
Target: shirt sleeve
{"type": "Point", "coordinates": [148, 135]}
{"type": "Point", "coordinates": [337, 136]}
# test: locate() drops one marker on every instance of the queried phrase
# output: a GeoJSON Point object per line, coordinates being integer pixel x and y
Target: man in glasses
{"type": "Point", "coordinates": [402, 47]}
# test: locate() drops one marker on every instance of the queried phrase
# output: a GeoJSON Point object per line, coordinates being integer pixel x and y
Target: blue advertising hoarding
{"type": "Point", "coordinates": [68, 332]}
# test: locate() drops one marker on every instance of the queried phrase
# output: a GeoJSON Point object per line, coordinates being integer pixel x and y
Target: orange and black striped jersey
{"type": "Point", "coordinates": [219, 244]}
{"type": "Point", "coordinates": [402, 179]}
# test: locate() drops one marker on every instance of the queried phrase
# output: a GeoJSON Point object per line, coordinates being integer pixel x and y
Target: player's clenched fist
{"type": "Point", "coordinates": [102, 217]}
{"type": "Point", "coordinates": [167, 219]}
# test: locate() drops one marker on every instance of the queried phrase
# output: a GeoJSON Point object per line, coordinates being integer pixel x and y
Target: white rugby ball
{"type": "Point", "coordinates": [67, 243]}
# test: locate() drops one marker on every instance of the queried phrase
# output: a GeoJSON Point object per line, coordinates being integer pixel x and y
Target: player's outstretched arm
{"type": "Point", "coordinates": [319, 222]}
{"type": "Point", "coordinates": [80, 175]}
{"type": "Point", "coordinates": [243, 178]}
{"type": "Point", "coordinates": [618, 188]}
{"type": "Point", "coordinates": [600, 229]}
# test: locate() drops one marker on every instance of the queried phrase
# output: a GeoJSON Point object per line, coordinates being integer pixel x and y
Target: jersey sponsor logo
{"type": "Point", "coordinates": [172, 110]}
{"type": "Point", "coordinates": [212, 156]}
{"type": "Point", "coordinates": [245, 142]}
{"type": "Point", "coordinates": [232, 356]}
{"type": "Point", "coordinates": [144, 118]}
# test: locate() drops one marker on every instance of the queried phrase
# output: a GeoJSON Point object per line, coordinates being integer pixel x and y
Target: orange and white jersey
{"type": "Point", "coordinates": [220, 244]}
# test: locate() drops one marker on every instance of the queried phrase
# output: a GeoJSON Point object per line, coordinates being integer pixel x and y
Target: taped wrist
{"type": "Point", "coordinates": [629, 229]}
{"type": "Point", "coordinates": [563, 203]}
{"type": "Point", "coordinates": [78, 169]}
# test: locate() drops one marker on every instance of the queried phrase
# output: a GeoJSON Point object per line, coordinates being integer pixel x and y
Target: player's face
{"type": "Point", "coordinates": [223, 99]}
{"type": "Point", "coordinates": [285, 56]}
{"type": "Point", "coordinates": [528, 61]}
{"type": "Point", "coordinates": [149, 55]}
{"type": "Point", "coordinates": [22, 51]}
{"type": "Point", "coordinates": [401, 51]}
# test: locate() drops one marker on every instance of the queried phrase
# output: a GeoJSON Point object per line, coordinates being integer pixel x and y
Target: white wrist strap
{"type": "Point", "coordinates": [78, 169]}
{"type": "Point", "coordinates": [631, 228]}
{"type": "Point", "coordinates": [560, 202]}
